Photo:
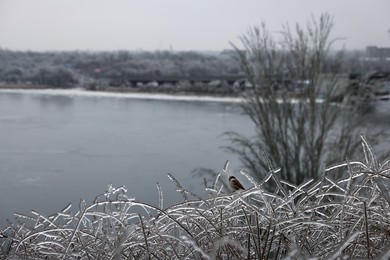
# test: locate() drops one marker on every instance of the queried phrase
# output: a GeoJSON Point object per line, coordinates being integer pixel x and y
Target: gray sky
{"type": "Point", "coordinates": [181, 24]}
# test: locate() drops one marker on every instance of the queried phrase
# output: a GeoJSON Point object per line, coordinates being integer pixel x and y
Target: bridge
{"type": "Point", "coordinates": [161, 80]}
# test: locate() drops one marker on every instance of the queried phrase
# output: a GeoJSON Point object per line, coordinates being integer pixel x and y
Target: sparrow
{"type": "Point", "coordinates": [235, 184]}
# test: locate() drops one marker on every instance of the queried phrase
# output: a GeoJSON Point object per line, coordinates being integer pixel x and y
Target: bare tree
{"type": "Point", "coordinates": [298, 127]}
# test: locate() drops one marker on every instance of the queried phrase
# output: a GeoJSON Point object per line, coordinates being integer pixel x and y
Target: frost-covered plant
{"type": "Point", "coordinates": [327, 218]}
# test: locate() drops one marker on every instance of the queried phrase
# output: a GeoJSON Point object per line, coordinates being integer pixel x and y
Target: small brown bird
{"type": "Point", "coordinates": [235, 184]}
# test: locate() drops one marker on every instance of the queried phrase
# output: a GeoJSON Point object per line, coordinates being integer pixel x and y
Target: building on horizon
{"type": "Point", "coordinates": [375, 52]}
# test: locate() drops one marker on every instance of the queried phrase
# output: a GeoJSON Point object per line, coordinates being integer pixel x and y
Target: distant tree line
{"type": "Point", "coordinates": [67, 69]}
{"type": "Point", "coordinates": [116, 68]}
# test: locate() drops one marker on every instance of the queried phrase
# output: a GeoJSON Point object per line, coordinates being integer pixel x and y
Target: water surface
{"type": "Point", "coordinates": [56, 147]}
{"type": "Point", "coordinates": [59, 146]}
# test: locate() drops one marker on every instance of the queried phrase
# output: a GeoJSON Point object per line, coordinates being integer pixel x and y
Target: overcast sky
{"type": "Point", "coordinates": [178, 24]}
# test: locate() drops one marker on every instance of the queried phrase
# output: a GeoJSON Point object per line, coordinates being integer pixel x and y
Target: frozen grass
{"type": "Point", "coordinates": [320, 219]}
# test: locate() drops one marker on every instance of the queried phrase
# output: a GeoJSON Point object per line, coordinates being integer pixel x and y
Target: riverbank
{"type": "Point", "coordinates": [23, 86]}
{"type": "Point", "coordinates": [116, 94]}
{"type": "Point", "coordinates": [203, 90]}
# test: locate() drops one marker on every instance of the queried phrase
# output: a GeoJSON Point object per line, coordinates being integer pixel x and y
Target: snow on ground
{"type": "Point", "coordinates": [85, 93]}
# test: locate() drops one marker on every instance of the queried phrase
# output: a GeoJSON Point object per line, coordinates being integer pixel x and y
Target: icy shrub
{"type": "Point", "coordinates": [320, 219]}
